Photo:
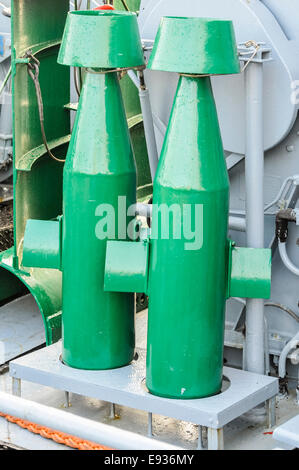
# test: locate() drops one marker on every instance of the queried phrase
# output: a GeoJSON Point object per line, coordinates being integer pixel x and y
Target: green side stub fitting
{"type": "Point", "coordinates": [102, 39]}
{"type": "Point", "coordinates": [195, 46]}
{"type": "Point", "coordinates": [250, 273]}
{"type": "Point", "coordinates": [42, 244]}
{"type": "Point", "coordinates": [126, 267]}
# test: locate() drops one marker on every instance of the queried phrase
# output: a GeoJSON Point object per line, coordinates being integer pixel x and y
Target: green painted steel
{"type": "Point", "coordinates": [104, 39]}
{"type": "Point", "coordinates": [250, 273]}
{"type": "Point", "coordinates": [98, 327]}
{"type": "Point", "coordinates": [195, 45]}
{"type": "Point", "coordinates": [188, 287]}
{"type": "Point", "coordinates": [193, 267]}
{"type": "Point", "coordinates": [126, 268]}
{"type": "Point", "coordinates": [37, 26]}
{"type": "Point", "coordinates": [42, 244]}
{"type": "Point", "coordinates": [188, 282]}
{"type": "Point", "coordinates": [43, 284]}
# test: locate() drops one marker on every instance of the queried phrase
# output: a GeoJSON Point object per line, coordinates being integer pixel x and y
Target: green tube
{"type": "Point", "coordinates": [98, 327]}
{"type": "Point", "coordinates": [187, 282]}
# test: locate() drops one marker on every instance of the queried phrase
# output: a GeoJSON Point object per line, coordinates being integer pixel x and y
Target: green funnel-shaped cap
{"type": "Point", "coordinates": [101, 39]}
{"type": "Point", "coordinates": [195, 46]}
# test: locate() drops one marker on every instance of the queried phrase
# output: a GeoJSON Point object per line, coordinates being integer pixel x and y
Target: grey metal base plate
{"type": "Point", "coordinates": [126, 386]}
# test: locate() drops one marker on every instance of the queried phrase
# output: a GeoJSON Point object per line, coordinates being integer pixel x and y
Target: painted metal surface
{"type": "Point", "coordinates": [246, 263]}
{"type": "Point", "coordinates": [189, 364]}
{"type": "Point", "coordinates": [126, 268]}
{"type": "Point", "coordinates": [216, 52]}
{"type": "Point", "coordinates": [98, 327]}
{"type": "Point", "coordinates": [38, 189]}
{"type": "Point", "coordinates": [191, 277]}
{"type": "Point", "coordinates": [255, 219]}
{"type": "Point", "coordinates": [42, 244]}
{"type": "Point", "coordinates": [22, 328]}
{"type": "Point", "coordinates": [81, 427]}
{"type": "Point", "coordinates": [185, 278]}
{"type": "Point", "coordinates": [39, 27]}
{"type": "Point", "coordinates": [288, 433]}
{"type": "Point", "coordinates": [101, 133]}
{"type": "Point", "coordinates": [117, 34]}
{"type": "Point", "coordinates": [125, 386]}
{"type": "Point", "coordinates": [252, 20]}
{"type": "Point", "coordinates": [43, 284]}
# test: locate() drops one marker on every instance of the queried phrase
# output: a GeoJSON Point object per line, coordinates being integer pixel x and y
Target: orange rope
{"type": "Point", "coordinates": [57, 436]}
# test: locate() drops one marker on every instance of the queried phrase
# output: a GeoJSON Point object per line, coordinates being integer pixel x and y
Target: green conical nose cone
{"type": "Point", "coordinates": [195, 46]}
{"type": "Point", "coordinates": [101, 39]}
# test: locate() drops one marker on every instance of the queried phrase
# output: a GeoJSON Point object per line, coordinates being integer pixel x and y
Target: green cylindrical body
{"type": "Point", "coordinates": [187, 284]}
{"type": "Point", "coordinates": [98, 327]}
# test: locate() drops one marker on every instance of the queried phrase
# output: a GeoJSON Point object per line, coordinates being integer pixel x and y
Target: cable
{"type": "Point", "coordinates": [275, 305]}
{"type": "Point", "coordinates": [76, 81]}
{"type": "Point", "coordinates": [35, 67]}
{"type": "Point", "coordinates": [284, 308]}
{"type": "Point", "coordinates": [125, 5]}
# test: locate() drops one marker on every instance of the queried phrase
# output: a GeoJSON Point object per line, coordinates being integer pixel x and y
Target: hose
{"type": "Point", "coordinates": [33, 71]}
{"type": "Point", "coordinates": [284, 354]}
{"type": "Point", "coordinates": [275, 305]}
{"type": "Point", "coordinates": [286, 260]}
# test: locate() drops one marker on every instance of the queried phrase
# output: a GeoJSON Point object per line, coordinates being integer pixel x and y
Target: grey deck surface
{"type": "Point", "coordinates": [288, 433]}
{"type": "Point", "coordinates": [21, 328]}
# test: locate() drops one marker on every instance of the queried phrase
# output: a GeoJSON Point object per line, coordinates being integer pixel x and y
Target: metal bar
{"type": "Point", "coordinates": [112, 414]}
{"type": "Point", "coordinates": [235, 223]}
{"type": "Point", "coordinates": [16, 387]}
{"type": "Point", "coordinates": [282, 366]}
{"type": "Point", "coordinates": [75, 425]}
{"type": "Point", "coordinates": [67, 399]}
{"type": "Point", "coordinates": [199, 442]}
{"type": "Point", "coordinates": [254, 175]}
{"type": "Point", "coordinates": [150, 425]}
{"type": "Point", "coordinates": [271, 412]}
{"type": "Point", "coordinates": [149, 130]}
{"type": "Point", "coordinates": [215, 439]}
{"type": "Point", "coordinates": [286, 260]}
